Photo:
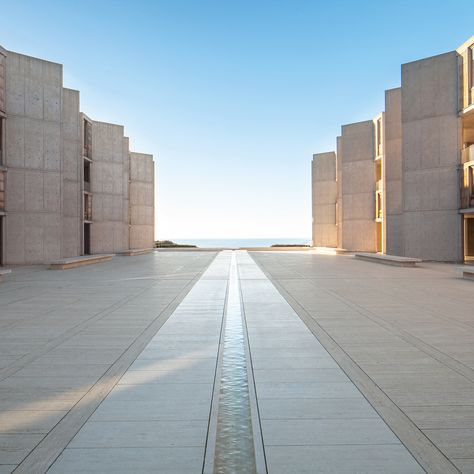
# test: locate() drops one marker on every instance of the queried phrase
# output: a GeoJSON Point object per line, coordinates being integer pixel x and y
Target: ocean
{"type": "Point", "coordinates": [237, 243]}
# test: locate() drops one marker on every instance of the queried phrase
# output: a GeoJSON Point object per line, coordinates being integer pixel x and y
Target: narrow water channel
{"type": "Point", "coordinates": [235, 452]}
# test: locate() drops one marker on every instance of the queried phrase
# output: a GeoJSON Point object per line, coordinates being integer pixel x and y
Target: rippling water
{"type": "Point", "coordinates": [234, 444]}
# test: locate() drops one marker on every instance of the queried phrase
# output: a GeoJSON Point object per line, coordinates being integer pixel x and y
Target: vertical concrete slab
{"type": "Point", "coordinates": [324, 196]}
{"type": "Point", "coordinates": [142, 191]}
{"type": "Point", "coordinates": [109, 231]}
{"type": "Point", "coordinates": [393, 172]}
{"type": "Point", "coordinates": [339, 191]}
{"type": "Point", "coordinates": [358, 187]}
{"type": "Point", "coordinates": [430, 152]}
{"type": "Point", "coordinates": [33, 101]}
{"type": "Point", "coordinates": [71, 174]}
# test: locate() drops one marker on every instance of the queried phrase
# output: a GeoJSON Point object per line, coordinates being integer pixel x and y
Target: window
{"type": "Point", "coordinates": [87, 139]}
{"type": "Point", "coordinates": [471, 74]}
{"type": "Point", "coordinates": [378, 137]}
{"type": "Point", "coordinates": [87, 207]}
{"type": "Point", "coordinates": [378, 206]}
{"type": "Point", "coordinates": [2, 124]}
{"type": "Point", "coordinates": [2, 190]}
{"type": "Point", "coordinates": [471, 185]}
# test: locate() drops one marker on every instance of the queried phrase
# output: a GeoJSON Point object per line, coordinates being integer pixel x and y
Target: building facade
{"type": "Point", "coordinates": [64, 179]}
{"type": "Point", "coordinates": [417, 198]}
{"type": "Point", "coordinates": [324, 200]}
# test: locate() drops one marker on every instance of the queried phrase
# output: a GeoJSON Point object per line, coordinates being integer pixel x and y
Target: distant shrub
{"type": "Point", "coordinates": [167, 244]}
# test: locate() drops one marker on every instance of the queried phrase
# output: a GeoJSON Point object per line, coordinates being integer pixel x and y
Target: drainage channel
{"type": "Point", "coordinates": [234, 442]}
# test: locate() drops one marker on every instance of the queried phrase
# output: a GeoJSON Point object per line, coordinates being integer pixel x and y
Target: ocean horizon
{"type": "Point", "coordinates": [249, 242]}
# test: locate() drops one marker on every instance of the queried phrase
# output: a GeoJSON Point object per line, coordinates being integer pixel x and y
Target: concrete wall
{"type": "Point", "coordinates": [393, 172]}
{"type": "Point", "coordinates": [142, 195]}
{"type": "Point", "coordinates": [358, 187]}
{"type": "Point", "coordinates": [3, 60]}
{"type": "Point", "coordinates": [71, 189]}
{"type": "Point", "coordinates": [324, 191]}
{"type": "Point", "coordinates": [109, 231]}
{"type": "Point", "coordinates": [33, 157]}
{"type": "Point", "coordinates": [430, 153]}
{"type": "Point", "coordinates": [339, 191]}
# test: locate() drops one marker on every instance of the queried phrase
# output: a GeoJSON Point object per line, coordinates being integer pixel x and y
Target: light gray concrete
{"type": "Point", "coordinates": [357, 153]}
{"type": "Point", "coordinates": [381, 384]}
{"type": "Point", "coordinates": [431, 192]}
{"type": "Point", "coordinates": [142, 201]}
{"type": "Point", "coordinates": [63, 332]}
{"type": "Point", "coordinates": [392, 171]}
{"type": "Point", "coordinates": [324, 197]}
{"type": "Point", "coordinates": [109, 186]}
{"type": "Point", "coordinates": [160, 403]}
{"type": "Point", "coordinates": [306, 412]}
{"type": "Point", "coordinates": [42, 188]}
{"type": "Point", "coordinates": [405, 336]}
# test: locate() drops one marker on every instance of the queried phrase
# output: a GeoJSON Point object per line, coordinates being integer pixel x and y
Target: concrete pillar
{"type": "Point", "coordinates": [358, 187]}
{"type": "Point", "coordinates": [324, 188]}
{"type": "Point", "coordinates": [142, 201]}
{"type": "Point", "coordinates": [393, 172]}
{"type": "Point", "coordinates": [432, 228]}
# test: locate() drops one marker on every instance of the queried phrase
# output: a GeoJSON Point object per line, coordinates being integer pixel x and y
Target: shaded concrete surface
{"type": "Point", "coordinates": [63, 334]}
{"type": "Point", "coordinates": [407, 334]}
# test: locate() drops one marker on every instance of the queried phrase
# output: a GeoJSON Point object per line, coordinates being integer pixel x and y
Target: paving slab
{"type": "Point", "coordinates": [312, 415]}
{"type": "Point", "coordinates": [62, 333]}
{"type": "Point", "coordinates": [163, 400]}
{"type": "Point", "coordinates": [404, 337]}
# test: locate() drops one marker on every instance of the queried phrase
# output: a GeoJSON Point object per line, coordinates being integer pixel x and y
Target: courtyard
{"type": "Point", "coordinates": [133, 366]}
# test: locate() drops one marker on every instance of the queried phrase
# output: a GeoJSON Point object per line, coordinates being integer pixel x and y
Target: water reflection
{"type": "Point", "coordinates": [234, 444]}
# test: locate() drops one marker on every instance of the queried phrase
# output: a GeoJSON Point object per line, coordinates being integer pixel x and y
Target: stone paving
{"type": "Point", "coordinates": [406, 337]}
{"type": "Point", "coordinates": [64, 334]}
{"type": "Point", "coordinates": [355, 367]}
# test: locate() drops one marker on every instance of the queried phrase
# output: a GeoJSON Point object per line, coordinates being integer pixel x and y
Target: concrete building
{"type": "Point", "coordinates": [142, 208]}
{"type": "Point", "coordinates": [420, 188]}
{"type": "Point", "coordinates": [357, 156]}
{"type": "Point", "coordinates": [392, 173]}
{"type": "Point", "coordinates": [324, 200]}
{"type": "Point", "coordinates": [431, 158]}
{"type": "Point", "coordinates": [466, 53]}
{"type": "Point", "coordinates": [64, 179]}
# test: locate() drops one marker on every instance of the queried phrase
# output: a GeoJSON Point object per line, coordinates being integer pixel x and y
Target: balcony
{"type": "Point", "coordinates": [467, 154]}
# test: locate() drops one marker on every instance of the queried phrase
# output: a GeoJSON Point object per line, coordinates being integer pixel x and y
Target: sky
{"type": "Point", "coordinates": [233, 97]}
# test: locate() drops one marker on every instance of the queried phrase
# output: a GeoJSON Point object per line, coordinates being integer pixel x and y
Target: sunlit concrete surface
{"type": "Point", "coordinates": [62, 331]}
{"type": "Point", "coordinates": [313, 418]}
{"type": "Point", "coordinates": [355, 367]}
{"type": "Point", "coordinates": [406, 337]}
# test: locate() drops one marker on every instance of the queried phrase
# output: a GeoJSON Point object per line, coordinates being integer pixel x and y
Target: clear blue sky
{"type": "Point", "coordinates": [233, 97]}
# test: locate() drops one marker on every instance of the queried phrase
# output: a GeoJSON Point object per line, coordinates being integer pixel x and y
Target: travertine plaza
{"type": "Point", "coordinates": [402, 183]}
{"type": "Point", "coordinates": [69, 185]}
{"type": "Point", "coordinates": [260, 361]}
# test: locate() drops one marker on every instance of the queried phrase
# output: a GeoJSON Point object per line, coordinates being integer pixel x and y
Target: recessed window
{"type": "Point", "coordinates": [471, 73]}
{"type": "Point", "coordinates": [87, 139]}
{"type": "Point", "coordinates": [378, 137]}
{"type": "Point", "coordinates": [2, 120]}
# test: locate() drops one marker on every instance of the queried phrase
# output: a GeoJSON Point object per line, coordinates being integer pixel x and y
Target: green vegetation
{"type": "Point", "coordinates": [168, 244]}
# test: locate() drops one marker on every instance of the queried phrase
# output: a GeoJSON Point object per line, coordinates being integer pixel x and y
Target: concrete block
{"type": "Point", "coordinates": [52, 146]}
{"type": "Point", "coordinates": [15, 142]}
{"type": "Point", "coordinates": [14, 238]}
{"type": "Point", "coordinates": [34, 145]}
{"type": "Point", "coordinates": [52, 192]}
{"type": "Point", "coordinates": [15, 190]}
{"type": "Point", "coordinates": [34, 196]}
